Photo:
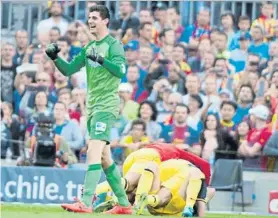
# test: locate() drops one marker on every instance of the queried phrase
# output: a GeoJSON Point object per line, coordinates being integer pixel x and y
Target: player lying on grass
{"type": "Point", "coordinates": [181, 186]}
{"type": "Point", "coordinates": [104, 60]}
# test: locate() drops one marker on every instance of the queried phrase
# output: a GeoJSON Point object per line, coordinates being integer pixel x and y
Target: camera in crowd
{"type": "Point", "coordinates": [44, 147]}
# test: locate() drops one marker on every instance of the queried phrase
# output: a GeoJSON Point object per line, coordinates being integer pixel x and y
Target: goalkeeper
{"type": "Point", "coordinates": [104, 59]}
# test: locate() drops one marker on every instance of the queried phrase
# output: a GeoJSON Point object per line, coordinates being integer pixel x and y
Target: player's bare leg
{"type": "Point", "coordinates": [92, 177]}
{"type": "Point", "coordinates": [113, 177]}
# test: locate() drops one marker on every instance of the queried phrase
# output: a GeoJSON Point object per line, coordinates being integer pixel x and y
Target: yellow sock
{"type": "Point", "coordinates": [103, 187]}
{"type": "Point", "coordinates": [192, 191]}
{"type": "Point", "coordinates": [145, 184]}
{"type": "Point", "coordinates": [153, 200]}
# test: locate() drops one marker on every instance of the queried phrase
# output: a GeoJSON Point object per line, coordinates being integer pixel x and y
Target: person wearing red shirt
{"type": "Point", "coordinates": [251, 148]}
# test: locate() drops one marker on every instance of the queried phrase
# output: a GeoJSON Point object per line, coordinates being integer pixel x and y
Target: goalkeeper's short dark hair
{"type": "Point", "coordinates": [103, 12]}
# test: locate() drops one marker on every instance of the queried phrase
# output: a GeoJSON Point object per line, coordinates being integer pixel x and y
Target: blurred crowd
{"type": "Point", "coordinates": [209, 90]}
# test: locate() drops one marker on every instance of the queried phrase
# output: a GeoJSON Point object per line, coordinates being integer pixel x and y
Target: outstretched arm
{"type": "Point", "coordinates": [67, 69]}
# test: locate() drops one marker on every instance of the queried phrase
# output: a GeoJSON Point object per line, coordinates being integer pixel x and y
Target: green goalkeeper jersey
{"type": "Point", "coordinates": [102, 80]}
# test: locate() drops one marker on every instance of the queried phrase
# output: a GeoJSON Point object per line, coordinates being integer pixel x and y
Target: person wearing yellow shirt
{"type": "Point", "coordinates": [136, 139]}
{"type": "Point", "coordinates": [265, 20]}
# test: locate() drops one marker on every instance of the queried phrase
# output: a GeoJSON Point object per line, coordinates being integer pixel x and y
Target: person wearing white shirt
{"type": "Point", "coordinates": [56, 19]}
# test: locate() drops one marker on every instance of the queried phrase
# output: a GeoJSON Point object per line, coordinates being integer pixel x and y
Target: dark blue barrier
{"type": "Point", "coordinates": [41, 184]}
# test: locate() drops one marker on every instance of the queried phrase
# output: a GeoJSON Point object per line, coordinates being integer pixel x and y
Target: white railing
{"type": "Point", "coordinates": [18, 14]}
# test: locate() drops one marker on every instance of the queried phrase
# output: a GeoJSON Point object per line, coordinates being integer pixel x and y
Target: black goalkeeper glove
{"type": "Point", "coordinates": [52, 51]}
{"type": "Point", "coordinates": [92, 54]}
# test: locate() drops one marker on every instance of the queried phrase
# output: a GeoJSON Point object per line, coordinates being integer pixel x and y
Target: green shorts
{"type": "Point", "coordinates": [99, 126]}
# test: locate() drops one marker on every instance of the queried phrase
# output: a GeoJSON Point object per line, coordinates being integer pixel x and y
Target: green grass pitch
{"type": "Point", "coordinates": [34, 211]}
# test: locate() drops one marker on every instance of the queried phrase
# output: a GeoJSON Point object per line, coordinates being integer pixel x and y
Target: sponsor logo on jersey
{"type": "Point", "coordinates": [100, 127]}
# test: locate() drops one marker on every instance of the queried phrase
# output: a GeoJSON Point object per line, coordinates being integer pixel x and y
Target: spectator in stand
{"type": "Point", "coordinates": [245, 97]}
{"type": "Point", "coordinates": [78, 100]}
{"type": "Point", "coordinates": [195, 105]}
{"type": "Point", "coordinates": [163, 106]}
{"type": "Point", "coordinates": [216, 142]}
{"type": "Point", "coordinates": [192, 84]}
{"type": "Point", "coordinates": [136, 137]}
{"type": "Point", "coordinates": [41, 104]}
{"type": "Point", "coordinates": [56, 19]}
{"type": "Point", "coordinates": [204, 47]}
{"type": "Point", "coordinates": [173, 21]}
{"type": "Point", "coordinates": [227, 112]}
{"type": "Point", "coordinates": [265, 19]}
{"type": "Point", "coordinates": [223, 71]}
{"type": "Point", "coordinates": [242, 131]}
{"type": "Point", "coordinates": [158, 89]}
{"type": "Point", "coordinates": [167, 38]}
{"type": "Point", "coordinates": [145, 15]}
{"type": "Point", "coordinates": [133, 77]}
{"type": "Point", "coordinates": [179, 56]}
{"type": "Point", "coordinates": [146, 57]}
{"type": "Point", "coordinates": [160, 14]}
{"type": "Point", "coordinates": [212, 101]}
{"type": "Point", "coordinates": [251, 65]}
{"type": "Point", "coordinates": [228, 25]}
{"type": "Point", "coordinates": [179, 132]}
{"type": "Point", "coordinates": [176, 78]}
{"type": "Point", "coordinates": [275, 30]}
{"type": "Point", "coordinates": [221, 44]}
{"type": "Point", "coordinates": [75, 46]}
{"type": "Point", "coordinates": [145, 37]}
{"type": "Point", "coordinates": [8, 72]}
{"type": "Point", "coordinates": [148, 113]}
{"type": "Point", "coordinates": [5, 139]}
{"type": "Point", "coordinates": [61, 81]}
{"type": "Point", "coordinates": [199, 29]}
{"type": "Point", "coordinates": [258, 46]}
{"type": "Point", "coordinates": [131, 53]}
{"type": "Point", "coordinates": [173, 100]}
{"type": "Point", "coordinates": [19, 84]}
{"type": "Point", "coordinates": [127, 20]}
{"type": "Point", "coordinates": [252, 148]}
{"type": "Point", "coordinates": [130, 107]}
{"type": "Point", "coordinates": [273, 50]}
{"type": "Point", "coordinates": [21, 38]}
{"type": "Point", "coordinates": [67, 129]}
{"type": "Point", "coordinates": [244, 26]}
{"type": "Point", "coordinates": [13, 125]}
{"type": "Point", "coordinates": [238, 56]}
{"type": "Point", "coordinates": [64, 45]}
{"type": "Point", "coordinates": [206, 64]}
{"type": "Point", "coordinates": [65, 97]}
{"type": "Point", "coordinates": [271, 151]}
{"type": "Point", "coordinates": [156, 72]}
{"type": "Point", "coordinates": [54, 34]}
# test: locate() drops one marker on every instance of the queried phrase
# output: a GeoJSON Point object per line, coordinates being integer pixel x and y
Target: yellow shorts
{"type": "Point", "coordinates": [173, 174]}
{"type": "Point", "coordinates": [174, 207]}
{"type": "Point", "coordinates": [136, 161]}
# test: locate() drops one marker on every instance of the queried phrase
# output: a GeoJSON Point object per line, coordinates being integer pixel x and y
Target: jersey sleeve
{"type": "Point", "coordinates": [116, 63]}
{"type": "Point", "coordinates": [202, 164]}
{"type": "Point", "coordinates": [264, 136]}
{"type": "Point", "coordinates": [67, 69]}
